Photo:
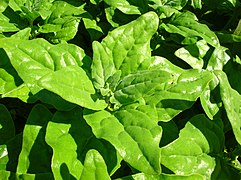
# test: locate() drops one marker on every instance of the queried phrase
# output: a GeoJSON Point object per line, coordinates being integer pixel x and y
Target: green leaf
{"type": "Point", "coordinates": [23, 34]}
{"type": "Point", "coordinates": [68, 132]}
{"type": "Point", "coordinates": [40, 58]}
{"type": "Point", "coordinates": [5, 25]}
{"type": "Point", "coordinates": [162, 64]}
{"type": "Point", "coordinates": [7, 129]}
{"type": "Point", "coordinates": [232, 102]}
{"type": "Point", "coordinates": [228, 38]}
{"type": "Point", "coordinates": [14, 147]}
{"type": "Point", "coordinates": [211, 99]}
{"type": "Point", "coordinates": [162, 177]}
{"type": "Point", "coordinates": [65, 162]}
{"type": "Point", "coordinates": [117, 18]}
{"type": "Point", "coordinates": [218, 58]}
{"type": "Point", "coordinates": [21, 92]}
{"type": "Point", "coordinates": [190, 152]}
{"type": "Point", "coordinates": [180, 94]}
{"type": "Point", "coordinates": [224, 170]}
{"type": "Point", "coordinates": [221, 5]}
{"type": "Point", "coordinates": [193, 54]}
{"type": "Point", "coordinates": [168, 4]}
{"type": "Point", "coordinates": [32, 9]}
{"type": "Point", "coordinates": [17, 176]}
{"type": "Point", "coordinates": [62, 24]}
{"type": "Point", "coordinates": [128, 6]}
{"type": "Point", "coordinates": [94, 167]}
{"type": "Point", "coordinates": [136, 137]}
{"type": "Point", "coordinates": [75, 87]}
{"type": "Point", "coordinates": [177, 4]}
{"type": "Point", "coordinates": [232, 69]}
{"type": "Point", "coordinates": [124, 49]}
{"type": "Point", "coordinates": [141, 84]}
{"type": "Point", "coordinates": [92, 27]}
{"type": "Point", "coordinates": [31, 160]}
{"type": "Point", "coordinates": [3, 5]}
{"type": "Point", "coordinates": [53, 100]}
{"type": "Point", "coordinates": [196, 4]}
{"type": "Point", "coordinates": [3, 157]}
{"type": "Point", "coordinates": [186, 25]}
{"type": "Point", "coordinates": [7, 82]}
{"type": "Point", "coordinates": [95, 1]}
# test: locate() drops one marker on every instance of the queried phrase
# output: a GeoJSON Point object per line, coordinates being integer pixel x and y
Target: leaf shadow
{"type": "Point", "coordinates": [177, 104]}
{"type": "Point", "coordinates": [64, 171]}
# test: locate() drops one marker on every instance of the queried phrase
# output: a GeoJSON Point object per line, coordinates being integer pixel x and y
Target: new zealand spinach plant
{"type": "Point", "coordinates": [120, 89]}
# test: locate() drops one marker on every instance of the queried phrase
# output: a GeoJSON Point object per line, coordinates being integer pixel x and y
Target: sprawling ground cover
{"type": "Point", "coordinates": [120, 89]}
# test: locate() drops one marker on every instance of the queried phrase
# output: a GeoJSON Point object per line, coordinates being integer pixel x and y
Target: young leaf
{"type": "Point", "coordinates": [32, 9]}
{"type": "Point", "coordinates": [186, 25]}
{"type": "Point", "coordinates": [94, 167]}
{"type": "Point", "coordinates": [124, 49]}
{"type": "Point", "coordinates": [136, 137]}
{"type": "Point", "coordinates": [62, 24]}
{"type": "Point", "coordinates": [31, 160]}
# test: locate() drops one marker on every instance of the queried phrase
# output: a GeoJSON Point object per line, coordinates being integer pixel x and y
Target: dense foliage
{"type": "Point", "coordinates": [120, 89]}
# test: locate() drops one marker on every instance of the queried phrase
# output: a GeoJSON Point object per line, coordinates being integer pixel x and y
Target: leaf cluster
{"type": "Point", "coordinates": [120, 89]}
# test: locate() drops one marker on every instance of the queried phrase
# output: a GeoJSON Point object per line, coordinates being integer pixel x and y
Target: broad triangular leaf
{"type": "Point", "coordinates": [134, 135]}
{"type": "Point", "coordinates": [75, 87]}
{"type": "Point", "coordinates": [199, 138]}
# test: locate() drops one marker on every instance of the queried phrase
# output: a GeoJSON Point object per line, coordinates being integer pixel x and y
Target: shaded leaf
{"type": "Point", "coordinates": [162, 177]}
{"type": "Point", "coordinates": [7, 129]}
{"type": "Point", "coordinates": [231, 101]}
{"type": "Point", "coordinates": [180, 94]}
{"type": "Point", "coordinates": [186, 25]}
{"type": "Point", "coordinates": [31, 160]}
{"type": "Point", "coordinates": [62, 24]}
{"type": "Point", "coordinates": [190, 152]}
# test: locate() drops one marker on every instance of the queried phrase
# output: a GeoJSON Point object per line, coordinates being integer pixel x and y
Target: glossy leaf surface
{"type": "Point", "coordinates": [134, 133]}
